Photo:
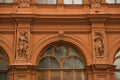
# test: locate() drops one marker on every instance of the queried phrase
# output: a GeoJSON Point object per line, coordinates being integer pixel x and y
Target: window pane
{"type": "Point", "coordinates": [61, 51]}
{"type": "Point", "coordinates": [54, 63]}
{"type": "Point", "coordinates": [55, 75]}
{"type": "Point", "coordinates": [43, 75]}
{"type": "Point", "coordinates": [118, 1]}
{"type": "Point", "coordinates": [117, 75]}
{"type": "Point", "coordinates": [78, 64]}
{"type": "Point", "coordinates": [3, 76]}
{"type": "Point", "coordinates": [118, 54]}
{"type": "Point", "coordinates": [67, 75]}
{"type": "Point", "coordinates": [42, 1]}
{"type": "Point", "coordinates": [68, 64]}
{"type": "Point", "coordinates": [79, 76]}
{"type": "Point", "coordinates": [51, 1]}
{"type": "Point", "coordinates": [73, 63]}
{"type": "Point", "coordinates": [1, 0]}
{"type": "Point", "coordinates": [3, 61]}
{"type": "Point", "coordinates": [77, 1]}
{"type": "Point", "coordinates": [8, 1]}
{"type": "Point", "coordinates": [47, 52]}
{"type": "Point", "coordinates": [67, 1]}
{"type": "Point", "coordinates": [117, 63]}
{"type": "Point", "coordinates": [110, 1]}
{"type": "Point", "coordinates": [72, 51]}
{"type": "Point", "coordinates": [44, 63]}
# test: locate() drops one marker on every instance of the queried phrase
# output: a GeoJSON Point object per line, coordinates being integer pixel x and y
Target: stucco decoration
{"type": "Point", "coordinates": [24, 3]}
{"type": "Point", "coordinates": [96, 3]}
{"type": "Point", "coordinates": [23, 44]}
{"type": "Point", "coordinates": [99, 45]}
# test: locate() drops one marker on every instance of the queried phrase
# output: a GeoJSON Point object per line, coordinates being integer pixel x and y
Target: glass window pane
{"type": "Point", "coordinates": [77, 1]}
{"type": "Point", "coordinates": [47, 52]}
{"type": "Point", "coordinates": [51, 1]}
{"type": "Point", "coordinates": [8, 1]}
{"type": "Point", "coordinates": [1, 0]}
{"type": "Point", "coordinates": [3, 61]}
{"type": "Point", "coordinates": [42, 1]}
{"type": "Point", "coordinates": [110, 1]}
{"type": "Point", "coordinates": [117, 75]}
{"type": "Point", "coordinates": [78, 76]}
{"type": "Point", "coordinates": [78, 64]}
{"type": "Point", "coordinates": [68, 64]}
{"type": "Point", "coordinates": [67, 1]}
{"type": "Point", "coordinates": [73, 63]}
{"type": "Point", "coordinates": [72, 51]}
{"type": "Point", "coordinates": [67, 75]}
{"type": "Point", "coordinates": [55, 75]}
{"type": "Point", "coordinates": [61, 51]}
{"type": "Point", "coordinates": [118, 1]}
{"type": "Point", "coordinates": [3, 76]}
{"type": "Point", "coordinates": [54, 63]}
{"type": "Point", "coordinates": [117, 63]}
{"type": "Point", "coordinates": [44, 63]}
{"type": "Point", "coordinates": [118, 54]}
{"type": "Point", "coordinates": [42, 75]}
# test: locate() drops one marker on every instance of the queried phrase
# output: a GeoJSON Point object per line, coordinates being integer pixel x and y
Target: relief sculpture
{"type": "Point", "coordinates": [22, 44]}
{"type": "Point", "coordinates": [24, 3]}
{"type": "Point", "coordinates": [99, 46]}
{"type": "Point", "coordinates": [96, 3]}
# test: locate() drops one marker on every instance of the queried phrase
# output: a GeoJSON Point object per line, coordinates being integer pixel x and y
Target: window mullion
{"type": "Point", "coordinates": [61, 74]}
{"type": "Point", "coordinates": [72, 1]}
{"type": "Point", "coordinates": [48, 74]}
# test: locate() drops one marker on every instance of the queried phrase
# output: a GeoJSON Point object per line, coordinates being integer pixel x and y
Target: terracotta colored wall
{"type": "Point", "coordinates": [40, 25]}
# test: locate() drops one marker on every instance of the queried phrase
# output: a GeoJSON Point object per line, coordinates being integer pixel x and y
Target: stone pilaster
{"type": "Point", "coordinates": [98, 38]}
{"type": "Point", "coordinates": [22, 72]}
{"type": "Point", "coordinates": [100, 72]}
{"type": "Point", "coordinates": [22, 41]}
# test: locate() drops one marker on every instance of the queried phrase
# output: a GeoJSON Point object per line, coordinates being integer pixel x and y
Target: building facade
{"type": "Point", "coordinates": [59, 39]}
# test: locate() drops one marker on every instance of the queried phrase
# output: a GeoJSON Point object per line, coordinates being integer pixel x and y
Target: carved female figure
{"type": "Point", "coordinates": [22, 44]}
{"type": "Point", "coordinates": [99, 46]}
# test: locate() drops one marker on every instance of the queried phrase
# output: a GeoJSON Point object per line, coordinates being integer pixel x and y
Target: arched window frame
{"type": "Point", "coordinates": [62, 71]}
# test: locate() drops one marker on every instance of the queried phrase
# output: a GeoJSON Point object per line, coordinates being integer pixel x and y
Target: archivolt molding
{"type": "Point", "coordinates": [7, 47]}
{"type": "Point", "coordinates": [114, 49]}
{"type": "Point", "coordinates": [67, 38]}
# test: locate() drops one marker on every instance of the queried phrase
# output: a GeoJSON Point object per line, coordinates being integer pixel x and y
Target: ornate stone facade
{"type": "Point", "coordinates": [27, 29]}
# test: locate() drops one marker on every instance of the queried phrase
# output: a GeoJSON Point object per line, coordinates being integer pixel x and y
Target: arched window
{"type": "Point", "coordinates": [73, 1]}
{"type": "Point", "coordinates": [117, 63]}
{"type": "Point", "coordinates": [6, 1]}
{"type": "Point", "coordinates": [3, 66]}
{"type": "Point", "coordinates": [61, 62]}
{"type": "Point", "coordinates": [112, 1]}
{"type": "Point", "coordinates": [47, 1]}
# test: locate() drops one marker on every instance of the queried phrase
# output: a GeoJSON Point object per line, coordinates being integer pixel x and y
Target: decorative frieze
{"type": "Point", "coordinates": [24, 3]}
{"type": "Point", "coordinates": [96, 3]}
